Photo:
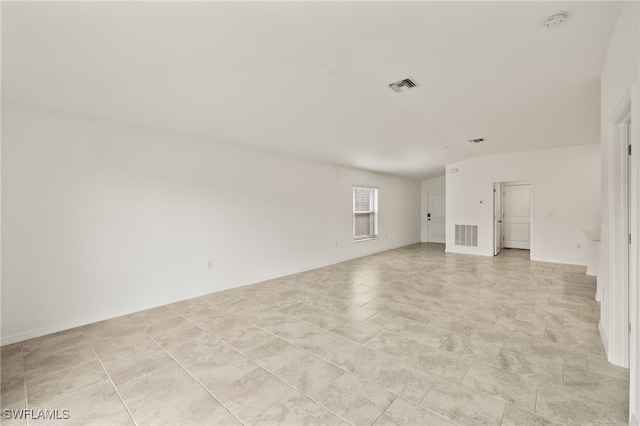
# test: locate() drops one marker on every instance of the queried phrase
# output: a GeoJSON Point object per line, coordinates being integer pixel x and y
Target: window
{"type": "Point", "coordinates": [365, 213]}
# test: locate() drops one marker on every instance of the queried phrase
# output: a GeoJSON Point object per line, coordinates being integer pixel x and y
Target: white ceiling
{"type": "Point", "coordinates": [251, 74]}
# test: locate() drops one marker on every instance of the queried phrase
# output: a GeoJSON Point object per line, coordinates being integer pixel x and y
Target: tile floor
{"type": "Point", "coordinates": [409, 336]}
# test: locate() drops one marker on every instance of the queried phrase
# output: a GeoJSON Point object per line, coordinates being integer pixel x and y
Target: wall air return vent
{"type": "Point", "coordinates": [399, 86]}
{"type": "Point", "coordinates": [467, 235]}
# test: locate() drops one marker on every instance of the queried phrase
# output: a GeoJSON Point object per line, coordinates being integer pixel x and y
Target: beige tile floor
{"type": "Point", "coordinates": [409, 336]}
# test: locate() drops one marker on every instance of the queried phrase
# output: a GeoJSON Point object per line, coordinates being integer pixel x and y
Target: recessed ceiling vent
{"type": "Point", "coordinates": [399, 86]}
{"type": "Point", "coordinates": [555, 20]}
{"type": "Point", "coordinates": [476, 140]}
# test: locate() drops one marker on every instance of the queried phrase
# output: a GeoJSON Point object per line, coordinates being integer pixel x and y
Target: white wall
{"type": "Point", "coordinates": [566, 182]}
{"type": "Point", "coordinates": [620, 70]}
{"type": "Point", "coordinates": [102, 220]}
{"type": "Point", "coordinates": [433, 184]}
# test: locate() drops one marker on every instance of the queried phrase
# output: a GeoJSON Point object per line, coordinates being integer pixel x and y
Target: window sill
{"type": "Point", "coordinates": [365, 239]}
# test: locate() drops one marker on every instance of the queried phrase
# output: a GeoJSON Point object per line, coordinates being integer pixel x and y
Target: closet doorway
{"type": "Point", "coordinates": [512, 206]}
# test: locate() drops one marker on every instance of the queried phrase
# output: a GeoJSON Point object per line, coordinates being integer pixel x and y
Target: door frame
{"type": "Point", "coordinates": [634, 272]}
{"type": "Point", "coordinates": [521, 181]}
{"type": "Point", "coordinates": [497, 192]}
{"type": "Point", "coordinates": [622, 291]}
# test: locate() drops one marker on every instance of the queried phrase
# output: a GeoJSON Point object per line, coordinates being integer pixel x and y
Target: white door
{"type": "Point", "coordinates": [516, 221]}
{"type": "Point", "coordinates": [436, 217]}
{"type": "Point", "coordinates": [497, 218]}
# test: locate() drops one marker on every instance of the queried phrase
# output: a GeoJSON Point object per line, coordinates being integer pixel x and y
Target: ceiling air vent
{"type": "Point", "coordinates": [407, 83]}
{"type": "Point", "coordinates": [555, 20]}
{"type": "Point", "coordinates": [476, 140]}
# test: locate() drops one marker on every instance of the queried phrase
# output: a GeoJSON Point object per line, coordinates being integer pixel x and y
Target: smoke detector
{"type": "Point", "coordinates": [476, 140]}
{"type": "Point", "coordinates": [407, 83]}
{"type": "Point", "coordinates": [329, 72]}
{"type": "Point", "coordinates": [556, 19]}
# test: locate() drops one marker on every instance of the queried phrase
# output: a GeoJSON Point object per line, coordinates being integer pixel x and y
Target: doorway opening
{"type": "Point", "coordinates": [512, 207]}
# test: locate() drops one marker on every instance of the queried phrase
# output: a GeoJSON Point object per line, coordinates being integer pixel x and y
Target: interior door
{"type": "Point", "coordinates": [516, 220]}
{"type": "Point", "coordinates": [497, 218]}
{"type": "Point", "coordinates": [436, 216]}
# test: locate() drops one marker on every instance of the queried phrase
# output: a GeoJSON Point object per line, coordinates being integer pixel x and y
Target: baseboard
{"type": "Point", "coordinates": [536, 259]}
{"type": "Point", "coordinates": [559, 261]}
{"type": "Point", "coordinates": [8, 340]}
{"type": "Point", "coordinates": [633, 420]}
{"type": "Point", "coordinates": [447, 250]}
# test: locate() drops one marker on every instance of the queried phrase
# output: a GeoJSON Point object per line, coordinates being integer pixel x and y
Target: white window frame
{"type": "Point", "coordinates": [372, 212]}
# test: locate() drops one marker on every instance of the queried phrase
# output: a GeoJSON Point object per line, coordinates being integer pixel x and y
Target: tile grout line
{"type": "Point", "coordinates": [252, 361]}
{"type": "Point", "coordinates": [384, 411]}
{"type": "Point", "coordinates": [504, 412]}
{"type": "Point", "coordinates": [473, 389]}
{"type": "Point", "coordinates": [142, 375]}
{"type": "Point", "coordinates": [115, 388]}
{"type": "Point", "coordinates": [66, 369]}
{"type": "Point", "coordinates": [24, 377]}
{"type": "Point", "coordinates": [535, 405]}
{"type": "Point", "coordinates": [419, 404]}
{"type": "Point", "coordinates": [197, 381]}
{"type": "Point", "coordinates": [365, 376]}
{"type": "Point", "coordinates": [70, 368]}
{"type": "Point", "coordinates": [430, 410]}
{"type": "Point", "coordinates": [269, 372]}
{"type": "Point", "coordinates": [466, 374]}
{"type": "Point", "coordinates": [286, 339]}
{"type": "Point", "coordinates": [387, 356]}
{"type": "Point", "coordinates": [591, 399]}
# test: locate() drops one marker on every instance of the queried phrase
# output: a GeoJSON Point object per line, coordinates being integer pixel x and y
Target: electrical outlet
{"type": "Point", "coordinates": [578, 246]}
{"type": "Point", "coordinates": [336, 244]}
{"type": "Point", "coordinates": [209, 264]}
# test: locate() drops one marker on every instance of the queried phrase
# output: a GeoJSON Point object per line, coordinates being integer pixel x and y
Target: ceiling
{"type": "Point", "coordinates": [311, 79]}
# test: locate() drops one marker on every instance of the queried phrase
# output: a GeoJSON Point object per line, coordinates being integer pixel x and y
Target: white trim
{"type": "Point", "coordinates": [558, 261]}
{"type": "Point", "coordinates": [521, 181]}
{"type": "Point", "coordinates": [372, 212]}
{"type": "Point", "coordinates": [617, 300]}
{"type": "Point", "coordinates": [634, 267]}
{"type": "Point", "coordinates": [623, 109]}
